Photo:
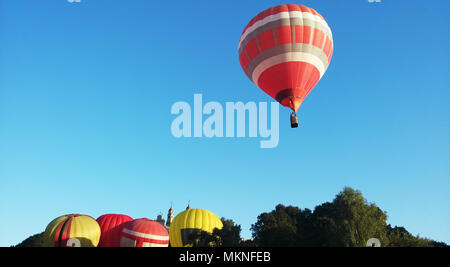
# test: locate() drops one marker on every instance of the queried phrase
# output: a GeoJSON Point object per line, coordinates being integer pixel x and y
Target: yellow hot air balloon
{"type": "Point", "coordinates": [189, 221]}
{"type": "Point", "coordinates": [72, 230]}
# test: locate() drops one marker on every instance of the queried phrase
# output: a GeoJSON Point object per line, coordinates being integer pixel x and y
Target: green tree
{"type": "Point", "coordinates": [277, 228]}
{"type": "Point", "coordinates": [348, 221]}
{"type": "Point", "coordinates": [400, 237]}
{"type": "Point", "coordinates": [228, 236]}
{"type": "Point", "coordinates": [36, 240]}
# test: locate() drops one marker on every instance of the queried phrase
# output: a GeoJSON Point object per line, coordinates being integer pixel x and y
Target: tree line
{"type": "Point", "coordinates": [348, 221]}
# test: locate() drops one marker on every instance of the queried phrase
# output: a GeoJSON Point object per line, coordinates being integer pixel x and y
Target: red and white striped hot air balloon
{"type": "Point", "coordinates": [285, 51]}
{"type": "Point", "coordinates": [144, 233]}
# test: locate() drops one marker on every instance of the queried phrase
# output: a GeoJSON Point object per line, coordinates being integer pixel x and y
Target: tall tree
{"type": "Point", "coordinates": [277, 228]}
{"type": "Point", "coordinates": [230, 234]}
{"type": "Point", "coordinates": [349, 221]}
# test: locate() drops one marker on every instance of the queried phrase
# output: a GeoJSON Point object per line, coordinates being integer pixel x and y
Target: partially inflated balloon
{"type": "Point", "coordinates": [144, 233]}
{"type": "Point", "coordinates": [189, 221]}
{"type": "Point", "coordinates": [112, 226]}
{"type": "Point", "coordinates": [285, 51]}
{"type": "Point", "coordinates": [72, 230]}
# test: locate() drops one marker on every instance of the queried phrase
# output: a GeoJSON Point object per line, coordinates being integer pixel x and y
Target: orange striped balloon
{"type": "Point", "coordinates": [285, 51]}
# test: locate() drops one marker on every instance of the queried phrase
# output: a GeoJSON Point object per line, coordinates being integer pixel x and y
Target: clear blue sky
{"type": "Point", "coordinates": [86, 90]}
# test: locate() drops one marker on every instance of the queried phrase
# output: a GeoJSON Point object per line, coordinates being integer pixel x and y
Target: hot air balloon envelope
{"type": "Point", "coordinates": [285, 50]}
{"type": "Point", "coordinates": [111, 226]}
{"type": "Point", "coordinates": [189, 221]}
{"type": "Point", "coordinates": [72, 230]}
{"type": "Point", "coordinates": [144, 233]}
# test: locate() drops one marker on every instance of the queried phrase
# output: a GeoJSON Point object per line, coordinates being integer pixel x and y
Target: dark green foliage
{"type": "Point", "coordinates": [36, 240]}
{"type": "Point", "coordinates": [228, 236]}
{"type": "Point", "coordinates": [400, 237]}
{"type": "Point", "coordinates": [348, 221]}
{"type": "Point", "coordinates": [277, 228]}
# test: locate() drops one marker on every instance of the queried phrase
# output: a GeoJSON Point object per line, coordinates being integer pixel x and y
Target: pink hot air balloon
{"type": "Point", "coordinates": [111, 226]}
{"type": "Point", "coordinates": [144, 233]}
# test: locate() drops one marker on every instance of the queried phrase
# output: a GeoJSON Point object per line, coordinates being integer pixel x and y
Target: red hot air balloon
{"type": "Point", "coordinates": [285, 51]}
{"type": "Point", "coordinates": [111, 226]}
{"type": "Point", "coordinates": [144, 233]}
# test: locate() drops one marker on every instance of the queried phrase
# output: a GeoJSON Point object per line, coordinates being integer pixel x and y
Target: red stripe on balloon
{"type": "Point", "coordinates": [66, 231]}
{"type": "Point", "coordinates": [252, 49]}
{"type": "Point", "coordinates": [331, 53]}
{"type": "Point", "coordinates": [57, 234]}
{"type": "Point", "coordinates": [283, 35]}
{"type": "Point", "coordinates": [244, 60]}
{"type": "Point", "coordinates": [62, 233]}
{"type": "Point", "coordinates": [302, 34]}
{"type": "Point", "coordinates": [266, 40]}
{"type": "Point", "coordinates": [318, 38]}
{"type": "Point", "coordinates": [327, 47]}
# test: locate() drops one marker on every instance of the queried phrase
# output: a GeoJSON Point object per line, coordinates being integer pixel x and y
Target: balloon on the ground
{"type": "Point", "coordinates": [72, 230]}
{"type": "Point", "coordinates": [111, 226]}
{"type": "Point", "coordinates": [189, 221]}
{"type": "Point", "coordinates": [144, 233]}
{"type": "Point", "coordinates": [285, 51]}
